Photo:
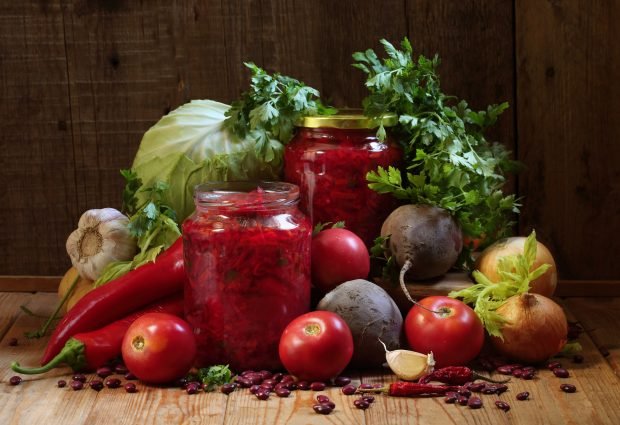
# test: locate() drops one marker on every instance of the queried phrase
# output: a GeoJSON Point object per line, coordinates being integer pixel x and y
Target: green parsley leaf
{"type": "Point", "coordinates": [268, 111]}
{"type": "Point", "coordinates": [214, 376]}
{"type": "Point", "coordinates": [449, 162]}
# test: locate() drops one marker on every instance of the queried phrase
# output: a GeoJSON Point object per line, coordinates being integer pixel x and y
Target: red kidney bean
{"type": "Point", "coordinates": [130, 387]}
{"type": "Point", "coordinates": [502, 405]}
{"type": "Point", "coordinates": [341, 381]}
{"type": "Point", "coordinates": [317, 386]}
{"type": "Point", "coordinates": [568, 388]}
{"type": "Point", "coordinates": [474, 403]}
{"type": "Point", "coordinates": [523, 396]}
{"type": "Point", "coordinates": [15, 380]}
{"type": "Point", "coordinates": [561, 372]}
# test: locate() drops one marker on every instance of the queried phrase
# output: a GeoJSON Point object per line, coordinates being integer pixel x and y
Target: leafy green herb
{"type": "Point", "coordinates": [321, 226]}
{"type": "Point", "coordinates": [515, 277]}
{"type": "Point", "coordinates": [449, 162]}
{"type": "Point", "coordinates": [153, 224]}
{"type": "Point", "coordinates": [269, 110]}
{"type": "Point", "coordinates": [214, 376]}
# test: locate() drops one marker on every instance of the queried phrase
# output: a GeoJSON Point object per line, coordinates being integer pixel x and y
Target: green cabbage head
{"type": "Point", "coordinates": [190, 146]}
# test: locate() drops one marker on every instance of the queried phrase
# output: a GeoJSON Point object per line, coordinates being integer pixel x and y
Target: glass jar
{"type": "Point", "coordinates": [328, 158]}
{"type": "Point", "coordinates": [247, 256]}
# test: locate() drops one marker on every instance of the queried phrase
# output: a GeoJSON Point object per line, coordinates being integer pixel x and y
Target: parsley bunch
{"type": "Point", "coordinates": [449, 162]}
{"type": "Point", "coordinates": [267, 112]}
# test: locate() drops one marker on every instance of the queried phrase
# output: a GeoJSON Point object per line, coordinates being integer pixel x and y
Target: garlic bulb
{"type": "Point", "coordinates": [102, 236]}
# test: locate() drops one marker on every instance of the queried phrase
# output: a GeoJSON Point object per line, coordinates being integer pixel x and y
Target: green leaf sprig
{"type": "Point", "coordinates": [267, 112]}
{"type": "Point", "coordinates": [214, 376]}
{"type": "Point", "coordinates": [516, 274]}
{"type": "Point", "coordinates": [152, 223]}
{"type": "Point", "coordinates": [449, 162]}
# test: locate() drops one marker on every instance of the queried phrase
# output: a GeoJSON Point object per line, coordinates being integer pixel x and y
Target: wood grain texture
{"type": "Point", "coordinates": [81, 81]}
{"type": "Point", "coordinates": [37, 174]}
{"type": "Point", "coordinates": [568, 108]}
{"type": "Point", "coordinates": [599, 319]}
{"type": "Point", "coordinates": [38, 400]}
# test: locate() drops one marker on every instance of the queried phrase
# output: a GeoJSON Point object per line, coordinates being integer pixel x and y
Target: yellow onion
{"type": "Point", "coordinates": [536, 328]}
{"type": "Point", "coordinates": [488, 259]}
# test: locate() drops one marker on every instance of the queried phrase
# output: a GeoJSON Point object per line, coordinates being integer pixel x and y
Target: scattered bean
{"type": "Point", "coordinates": [191, 388]}
{"type": "Point", "coordinates": [462, 400]}
{"type": "Point", "coordinates": [96, 385]}
{"type": "Point", "coordinates": [263, 394]}
{"type": "Point", "coordinates": [554, 365]}
{"type": "Point", "coordinates": [104, 372]}
{"type": "Point", "coordinates": [322, 398]}
{"type": "Point", "coordinates": [322, 409]}
{"type": "Point", "coordinates": [77, 385]}
{"type": "Point", "coordinates": [349, 389]}
{"type": "Point", "coordinates": [15, 380]}
{"type": "Point", "coordinates": [317, 386]}
{"type": "Point", "coordinates": [523, 396]}
{"type": "Point", "coordinates": [370, 399]}
{"type": "Point", "coordinates": [568, 388]}
{"type": "Point", "coordinates": [120, 369]}
{"type": "Point", "coordinates": [360, 403]}
{"type": "Point", "coordinates": [283, 392]}
{"type": "Point", "coordinates": [502, 405]}
{"type": "Point", "coordinates": [474, 403]}
{"type": "Point", "coordinates": [303, 385]}
{"type": "Point", "coordinates": [114, 383]}
{"type": "Point", "coordinates": [130, 387]}
{"type": "Point", "coordinates": [561, 372]}
{"type": "Point", "coordinates": [341, 381]}
{"type": "Point", "coordinates": [61, 383]}
{"type": "Point", "coordinates": [130, 376]}
{"type": "Point", "coordinates": [228, 388]}
{"type": "Point", "coordinates": [79, 377]}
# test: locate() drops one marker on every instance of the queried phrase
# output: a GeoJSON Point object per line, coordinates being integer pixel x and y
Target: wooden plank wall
{"type": "Point", "coordinates": [81, 80]}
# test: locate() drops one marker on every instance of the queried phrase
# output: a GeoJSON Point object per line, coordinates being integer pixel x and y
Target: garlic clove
{"type": "Point", "coordinates": [409, 365]}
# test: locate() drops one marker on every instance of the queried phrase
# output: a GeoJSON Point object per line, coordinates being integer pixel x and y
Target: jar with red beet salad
{"type": "Point", "coordinates": [247, 256]}
{"type": "Point", "coordinates": [328, 158]}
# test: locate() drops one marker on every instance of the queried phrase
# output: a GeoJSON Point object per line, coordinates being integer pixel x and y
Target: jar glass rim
{"type": "Point", "coordinates": [247, 194]}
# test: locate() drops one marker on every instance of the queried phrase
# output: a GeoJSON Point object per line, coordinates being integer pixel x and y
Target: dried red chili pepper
{"type": "Point", "coordinates": [455, 375]}
{"type": "Point", "coordinates": [414, 389]}
{"type": "Point", "coordinates": [141, 286]}
{"type": "Point", "coordinates": [90, 350]}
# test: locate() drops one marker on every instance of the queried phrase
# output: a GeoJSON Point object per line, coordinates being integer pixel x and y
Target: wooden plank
{"type": "Point", "coordinates": [588, 288]}
{"type": "Point", "coordinates": [597, 387]}
{"type": "Point", "coordinates": [37, 186]}
{"type": "Point", "coordinates": [567, 120]}
{"type": "Point", "coordinates": [29, 283]}
{"type": "Point", "coordinates": [599, 318]}
{"type": "Point", "coordinates": [598, 392]}
{"type": "Point", "coordinates": [474, 40]}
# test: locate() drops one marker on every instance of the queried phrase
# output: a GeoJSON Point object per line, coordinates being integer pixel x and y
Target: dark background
{"type": "Point", "coordinates": [80, 82]}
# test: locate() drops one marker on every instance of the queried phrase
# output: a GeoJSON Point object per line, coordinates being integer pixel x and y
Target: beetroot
{"type": "Point", "coordinates": [425, 241]}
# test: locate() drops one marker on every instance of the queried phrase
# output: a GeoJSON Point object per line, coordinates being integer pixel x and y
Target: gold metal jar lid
{"type": "Point", "coordinates": [348, 120]}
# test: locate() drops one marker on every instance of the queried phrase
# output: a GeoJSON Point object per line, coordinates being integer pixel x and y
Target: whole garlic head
{"type": "Point", "coordinates": [102, 237]}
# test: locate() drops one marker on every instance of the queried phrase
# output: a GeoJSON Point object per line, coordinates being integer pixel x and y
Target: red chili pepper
{"type": "Point", "coordinates": [455, 375]}
{"type": "Point", "coordinates": [90, 350]}
{"type": "Point", "coordinates": [414, 389]}
{"type": "Point", "coordinates": [141, 286]}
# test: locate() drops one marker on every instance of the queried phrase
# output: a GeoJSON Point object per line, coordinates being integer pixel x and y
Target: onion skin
{"type": "Point", "coordinates": [536, 328]}
{"type": "Point", "coordinates": [488, 259]}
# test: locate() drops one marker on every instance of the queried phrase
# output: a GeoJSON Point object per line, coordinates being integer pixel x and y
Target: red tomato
{"type": "Point", "coordinates": [338, 255]}
{"type": "Point", "coordinates": [159, 348]}
{"type": "Point", "coordinates": [455, 336]}
{"type": "Point", "coordinates": [316, 346]}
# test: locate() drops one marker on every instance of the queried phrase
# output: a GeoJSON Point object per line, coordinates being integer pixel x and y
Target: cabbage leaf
{"type": "Point", "coordinates": [190, 146]}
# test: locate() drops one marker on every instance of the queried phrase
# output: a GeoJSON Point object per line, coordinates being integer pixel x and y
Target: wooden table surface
{"type": "Point", "coordinates": [37, 400]}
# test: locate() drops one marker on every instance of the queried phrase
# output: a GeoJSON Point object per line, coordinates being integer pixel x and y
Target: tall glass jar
{"type": "Point", "coordinates": [328, 159]}
{"type": "Point", "coordinates": [247, 254]}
